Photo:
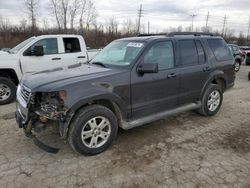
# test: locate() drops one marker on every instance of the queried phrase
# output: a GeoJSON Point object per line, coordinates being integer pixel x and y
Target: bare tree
{"type": "Point", "coordinates": [91, 14]}
{"type": "Point", "coordinates": [83, 10]}
{"type": "Point", "coordinates": [65, 7]}
{"type": "Point", "coordinates": [55, 4]}
{"type": "Point", "coordinates": [31, 8]}
{"type": "Point", "coordinates": [73, 11]}
{"type": "Point", "coordinates": [112, 25]}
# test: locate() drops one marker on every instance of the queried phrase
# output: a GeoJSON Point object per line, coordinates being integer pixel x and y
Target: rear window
{"type": "Point", "coordinates": [71, 45]}
{"type": "Point", "coordinates": [220, 49]}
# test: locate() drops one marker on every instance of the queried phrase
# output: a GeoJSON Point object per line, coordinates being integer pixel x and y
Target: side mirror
{"type": "Point", "coordinates": [38, 51]}
{"type": "Point", "coordinates": [148, 68]}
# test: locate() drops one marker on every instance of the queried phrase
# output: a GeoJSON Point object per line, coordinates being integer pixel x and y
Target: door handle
{"type": "Point", "coordinates": [172, 75]}
{"type": "Point", "coordinates": [81, 57]}
{"type": "Point", "coordinates": [56, 59]}
{"type": "Point", "coordinates": [206, 69]}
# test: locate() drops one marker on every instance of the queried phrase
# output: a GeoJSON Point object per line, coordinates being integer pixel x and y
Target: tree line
{"type": "Point", "coordinates": [79, 17]}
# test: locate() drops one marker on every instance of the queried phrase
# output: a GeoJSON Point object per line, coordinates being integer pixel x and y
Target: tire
{"type": "Point", "coordinates": [7, 91]}
{"type": "Point", "coordinates": [84, 122]}
{"type": "Point", "coordinates": [249, 76]}
{"type": "Point", "coordinates": [237, 66]}
{"type": "Point", "coordinates": [208, 110]}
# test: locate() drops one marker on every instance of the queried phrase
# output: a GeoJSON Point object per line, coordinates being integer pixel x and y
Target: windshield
{"type": "Point", "coordinates": [118, 53]}
{"type": "Point", "coordinates": [21, 45]}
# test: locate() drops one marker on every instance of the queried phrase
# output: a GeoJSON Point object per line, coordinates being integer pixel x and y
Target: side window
{"type": "Point", "coordinates": [220, 49]}
{"type": "Point", "coordinates": [201, 53]}
{"type": "Point", "coordinates": [71, 45]}
{"type": "Point", "coordinates": [188, 52]}
{"type": "Point", "coordinates": [161, 53]}
{"type": "Point", "coordinates": [50, 46]}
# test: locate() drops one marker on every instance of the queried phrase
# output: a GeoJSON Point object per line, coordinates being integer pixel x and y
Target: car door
{"type": "Point", "coordinates": [50, 60]}
{"type": "Point", "coordinates": [155, 92]}
{"type": "Point", "coordinates": [194, 69]}
{"type": "Point", "coordinates": [72, 51]}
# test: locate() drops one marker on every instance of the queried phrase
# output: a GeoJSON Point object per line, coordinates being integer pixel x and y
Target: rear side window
{"type": "Point", "coordinates": [201, 53]}
{"type": "Point", "coordinates": [71, 45]}
{"type": "Point", "coordinates": [220, 49]}
{"type": "Point", "coordinates": [188, 52]}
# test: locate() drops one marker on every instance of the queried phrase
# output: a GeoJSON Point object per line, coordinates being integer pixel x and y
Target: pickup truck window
{"type": "Point", "coordinates": [162, 54]}
{"type": "Point", "coordinates": [71, 45]}
{"type": "Point", "coordinates": [21, 45]}
{"type": "Point", "coordinates": [188, 52]}
{"type": "Point", "coordinates": [50, 46]}
{"type": "Point", "coordinates": [220, 49]}
{"type": "Point", "coordinates": [119, 53]}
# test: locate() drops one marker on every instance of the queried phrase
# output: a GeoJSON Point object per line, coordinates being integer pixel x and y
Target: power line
{"type": "Point", "coordinates": [140, 14]}
{"type": "Point", "coordinates": [224, 24]}
{"type": "Point", "coordinates": [248, 30]}
{"type": "Point", "coordinates": [192, 26]}
{"type": "Point", "coordinates": [207, 17]}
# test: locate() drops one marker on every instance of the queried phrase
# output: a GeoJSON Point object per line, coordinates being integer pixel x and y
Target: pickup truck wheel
{"type": "Point", "coordinates": [237, 66]}
{"type": "Point", "coordinates": [7, 91]}
{"type": "Point", "coordinates": [93, 130]}
{"type": "Point", "coordinates": [211, 100]}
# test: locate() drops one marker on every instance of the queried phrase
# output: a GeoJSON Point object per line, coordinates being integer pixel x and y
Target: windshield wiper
{"type": "Point", "coordinates": [99, 63]}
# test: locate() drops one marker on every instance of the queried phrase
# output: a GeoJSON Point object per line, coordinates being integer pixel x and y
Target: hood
{"type": "Point", "coordinates": [50, 80]}
{"type": "Point", "coordinates": [3, 52]}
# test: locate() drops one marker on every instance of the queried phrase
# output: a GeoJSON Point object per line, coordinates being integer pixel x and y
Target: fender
{"type": "Point", "coordinates": [218, 74]}
{"type": "Point", "coordinates": [121, 104]}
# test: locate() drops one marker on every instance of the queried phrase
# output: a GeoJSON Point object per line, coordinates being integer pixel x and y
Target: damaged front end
{"type": "Point", "coordinates": [36, 111]}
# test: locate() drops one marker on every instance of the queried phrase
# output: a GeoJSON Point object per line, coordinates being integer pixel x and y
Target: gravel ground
{"type": "Point", "coordinates": [182, 151]}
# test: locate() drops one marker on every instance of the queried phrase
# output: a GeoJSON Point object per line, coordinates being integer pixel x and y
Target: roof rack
{"type": "Point", "coordinates": [148, 35]}
{"type": "Point", "coordinates": [190, 33]}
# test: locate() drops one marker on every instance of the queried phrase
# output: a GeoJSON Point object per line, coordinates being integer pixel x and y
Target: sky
{"type": "Point", "coordinates": [161, 14]}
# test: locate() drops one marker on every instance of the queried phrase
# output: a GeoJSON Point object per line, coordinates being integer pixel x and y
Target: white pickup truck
{"type": "Point", "coordinates": [39, 54]}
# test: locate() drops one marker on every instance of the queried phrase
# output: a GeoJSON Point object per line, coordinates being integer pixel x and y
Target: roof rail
{"type": "Point", "coordinates": [190, 33]}
{"type": "Point", "coordinates": [148, 35]}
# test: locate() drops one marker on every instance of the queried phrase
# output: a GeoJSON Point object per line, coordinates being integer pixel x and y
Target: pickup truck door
{"type": "Point", "coordinates": [73, 50]}
{"type": "Point", "coordinates": [50, 60]}
{"type": "Point", "coordinates": [155, 92]}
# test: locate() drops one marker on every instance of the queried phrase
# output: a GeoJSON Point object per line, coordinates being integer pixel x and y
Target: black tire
{"type": "Point", "coordinates": [11, 94]}
{"type": "Point", "coordinates": [249, 76]}
{"type": "Point", "coordinates": [237, 65]}
{"type": "Point", "coordinates": [79, 122]}
{"type": "Point", "coordinates": [204, 109]}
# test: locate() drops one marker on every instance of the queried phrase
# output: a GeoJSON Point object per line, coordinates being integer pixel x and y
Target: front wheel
{"type": "Point", "coordinates": [211, 100]}
{"type": "Point", "coordinates": [93, 130]}
{"type": "Point", "coordinates": [7, 91]}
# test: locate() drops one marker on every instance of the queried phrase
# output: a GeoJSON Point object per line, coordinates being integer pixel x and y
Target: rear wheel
{"type": "Point", "coordinates": [7, 91]}
{"type": "Point", "coordinates": [211, 100]}
{"type": "Point", "coordinates": [237, 66]}
{"type": "Point", "coordinates": [93, 130]}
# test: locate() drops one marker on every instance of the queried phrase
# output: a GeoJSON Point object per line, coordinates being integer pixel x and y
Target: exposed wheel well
{"type": "Point", "coordinates": [11, 74]}
{"type": "Point", "coordinates": [221, 82]}
{"type": "Point", "coordinates": [108, 104]}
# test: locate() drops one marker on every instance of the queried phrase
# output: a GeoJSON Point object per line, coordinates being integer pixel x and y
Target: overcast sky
{"type": "Point", "coordinates": [162, 14]}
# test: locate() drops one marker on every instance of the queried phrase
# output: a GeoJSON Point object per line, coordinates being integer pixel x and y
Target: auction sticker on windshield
{"type": "Point", "coordinates": [135, 44]}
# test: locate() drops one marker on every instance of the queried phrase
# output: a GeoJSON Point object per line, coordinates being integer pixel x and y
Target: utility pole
{"type": "Point", "coordinates": [207, 18]}
{"type": "Point", "coordinates": [224, 24]}
{"type": "Point", "coordinates": [140, 14]}
{"type": "Point", "coordinates": [248, 29]}
{"type": "Point", "coordinates": [192, 26]}
{"type": "Point", "coordinates": [148, 27]}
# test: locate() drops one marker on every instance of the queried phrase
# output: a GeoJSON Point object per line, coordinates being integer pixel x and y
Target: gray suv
{"type": "Point", "coordinates": [131, 82]}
